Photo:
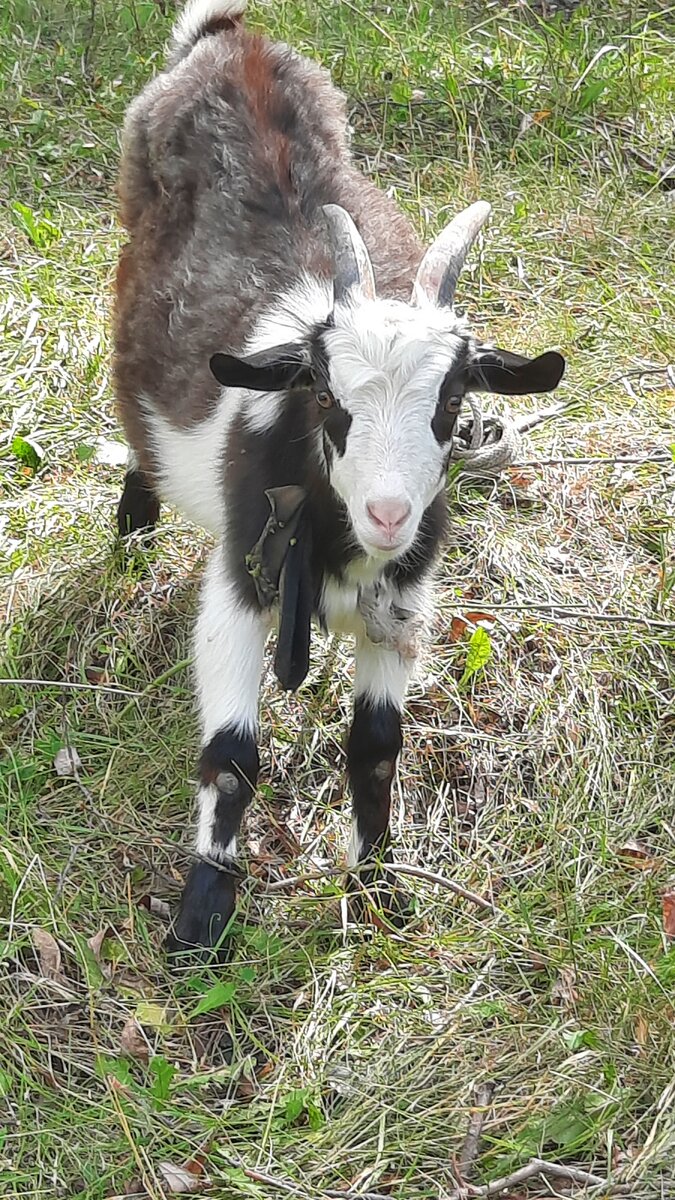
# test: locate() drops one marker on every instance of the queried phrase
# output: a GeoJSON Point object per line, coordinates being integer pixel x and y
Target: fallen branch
{"type": "Point", "coordinates": [539, 1166]}
{"type": "Point", "coordinates": [396, 869]}
{"type": "Point", "coordinates": [469, 1151]}
{"type": "Point", "coordinates": [636, 459]}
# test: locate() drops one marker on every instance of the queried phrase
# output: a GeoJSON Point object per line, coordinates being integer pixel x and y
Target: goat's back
{"type": "Point", "coordinates": [227, 159]}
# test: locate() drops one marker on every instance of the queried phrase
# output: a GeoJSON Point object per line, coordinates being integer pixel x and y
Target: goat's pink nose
{"type": "Point", "coordinates": [388, 515]}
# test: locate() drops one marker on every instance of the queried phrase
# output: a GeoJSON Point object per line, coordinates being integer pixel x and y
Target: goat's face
{"type": "Point", "coordinates": [385, 382]}
{"type": "Point", "coordinates": [389, 382]}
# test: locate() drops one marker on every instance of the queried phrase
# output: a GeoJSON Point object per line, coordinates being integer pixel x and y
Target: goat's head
{"type": "Point", "coordinates": [386, 381]}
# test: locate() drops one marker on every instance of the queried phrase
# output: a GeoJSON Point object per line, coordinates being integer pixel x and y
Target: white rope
{"type": "Point", "coordinates": [486, 445]}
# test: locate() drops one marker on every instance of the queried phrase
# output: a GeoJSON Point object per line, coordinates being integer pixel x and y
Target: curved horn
{"type": "Point", "coordinates": [440, 268]}
{"type": "Point", "coordinates": [352, 262]}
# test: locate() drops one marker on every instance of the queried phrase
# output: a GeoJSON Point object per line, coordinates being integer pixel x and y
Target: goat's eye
{"type": "Point", "coordinates": [453, 404]}
{"type": "Point", "coordinates": [325, 399]}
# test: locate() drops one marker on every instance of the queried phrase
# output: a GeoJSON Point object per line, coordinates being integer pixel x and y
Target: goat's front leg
{"type": "Point", "coordinates": [229, 646]}
{"type": "Point", "coordinates": [374, 745]}
{"type": "Point", "coordinates": [138, 507]}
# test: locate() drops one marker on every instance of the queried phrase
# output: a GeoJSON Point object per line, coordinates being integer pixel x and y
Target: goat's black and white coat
{"type": "Point", "coordinates": [278, 327]}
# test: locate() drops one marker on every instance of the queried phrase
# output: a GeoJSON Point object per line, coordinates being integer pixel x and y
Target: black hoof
{"type": "Point", "coordinates": [206, 909]}
{"type": "Point", "coordinates": [139, 507]}
{"type": "Point", "coordinates": [376, 898]}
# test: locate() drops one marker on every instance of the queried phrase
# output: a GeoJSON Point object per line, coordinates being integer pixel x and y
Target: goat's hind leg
{"type": "Point", "coordinates": [138, 507]}
{"type": "Point", "coordinates": [229, 645]}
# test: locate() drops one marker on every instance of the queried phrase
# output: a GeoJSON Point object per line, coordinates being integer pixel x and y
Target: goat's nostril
{"type": "Point", "coordinates": [388, 515]}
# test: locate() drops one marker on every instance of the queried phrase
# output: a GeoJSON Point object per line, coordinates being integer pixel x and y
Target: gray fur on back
{"type": "Point", "coordinates": [227, 160]}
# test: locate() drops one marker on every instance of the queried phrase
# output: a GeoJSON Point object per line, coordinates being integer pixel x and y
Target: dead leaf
{"type": "Point", "coordinates": [668, 903]}
{"type": "Point", "coordinates": [564, 990]}
{"type": "Point", "coordinates": [134, 1188]}
{"type": "Point", "coordinates": [95, 943]}
{"type": "Point", "coordinates": [641, 1031]}
{"type": "Point", "coordinates": [116, 1086]}
{"type": "Point", "coordinates": [182, 1179]}
{"type": "Point", "coordinates": [637, 854]}
{"type": "Point", "coordinates": [475, 617]}
{"type": "Point", "coordinates": [67, 762]}
{"type": "Point", "coordinates": [133, 1042]}
{"type": "Point", "coordinates": [457, 629]}
{"type": "Point", "coordinates": [49, 955]}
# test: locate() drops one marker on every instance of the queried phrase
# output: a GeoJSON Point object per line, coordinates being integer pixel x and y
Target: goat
{"type": "Point", "coordinates": [289, 371]}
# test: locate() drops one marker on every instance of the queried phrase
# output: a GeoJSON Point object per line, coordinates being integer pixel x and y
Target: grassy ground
{"type": "Point", "coordinates": [332, 1057]}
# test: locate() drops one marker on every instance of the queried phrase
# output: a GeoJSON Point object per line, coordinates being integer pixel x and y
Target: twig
{"type": "Point", "coordinates": [539, 1166]}
{"type": "Point", "coordinates": [284, 1185]}
{"type": "Point", "coordinates": [396, 869]}
{"type": "Point", "coordinates": [64, 874]}
{"type": "Point", "coordinates": [583, 462]}
{"type": "Point", "coordinates": [568, 612]}
{"type": "Point", "coordinates": [64, 683]}
{"type": "Point", "coordinates": [469, 1151]}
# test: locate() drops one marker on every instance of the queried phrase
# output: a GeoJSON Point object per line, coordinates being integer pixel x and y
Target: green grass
{"type": "Point", "coordinates": [341, 1058]}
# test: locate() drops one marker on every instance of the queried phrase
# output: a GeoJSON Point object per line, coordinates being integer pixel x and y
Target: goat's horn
{"type": "Point", "coordinates": [440, 268]}
{"type": "Point", "coordinates": [352, 262]}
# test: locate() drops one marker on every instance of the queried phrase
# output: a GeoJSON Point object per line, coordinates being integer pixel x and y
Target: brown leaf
{"type": "Point", "coordinates": [668, 903]}
{"type": "Point", "coordinates": [133, 1042]}
{"type": "Point", "coordinates": [182, 1179]}
{"type": "Point", "coordinates": [637, 854]}
{"type": "Point", "coordinates": [49, 955]}
{"type": "Point", "coordinates": [641, 1031]}
{"type": "Point", "coordinates": [246, 1088]}
{"type": "Point", "coordinates": [457, 629]}
{"type": "Point", "coordinates": [95, 943]}
{"type": "Point", "coordinates": [475, 617]}
{"type": "Point", "coordinates": [564, 990]}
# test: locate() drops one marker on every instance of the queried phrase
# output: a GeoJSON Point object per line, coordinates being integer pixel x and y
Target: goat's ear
{"type": "Point", "coordinates": [267, 371]}
{"type": "Point", "coordinates": [513, 375]}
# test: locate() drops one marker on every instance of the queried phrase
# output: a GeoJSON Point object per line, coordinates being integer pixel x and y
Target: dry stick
{"type": "Point", "coordinates": [64, 683]}
{"type": "Point", "coordinates": [396, 869]}
{"type": "Point", "coordinates": [567, 612]}
{"type": "Point", "coordinates": [539, 1166]}
{"type": "Point", "coordinates": [667, 459]}
{"type": "Point", "coordinates": [469, 1151]}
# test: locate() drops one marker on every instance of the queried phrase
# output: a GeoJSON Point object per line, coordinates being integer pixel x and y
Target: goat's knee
{"type": "Point", "coordinates": [228, 774]}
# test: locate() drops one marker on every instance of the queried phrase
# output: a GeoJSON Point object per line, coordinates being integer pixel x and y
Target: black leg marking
{"type": "Point", "coordinates": [139, 506]}
{"type": "Point", "coordinates": [228, 773]}
{"type": "Point", "coordinates": [206, 908]}
{"type": "Point", "coordinates": [374, 745]}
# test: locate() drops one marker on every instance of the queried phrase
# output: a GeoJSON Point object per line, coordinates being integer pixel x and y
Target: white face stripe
{"type": "Point", "coordinates": [229, 648]}
{"type": "Point", "coordinates": [387, 362]}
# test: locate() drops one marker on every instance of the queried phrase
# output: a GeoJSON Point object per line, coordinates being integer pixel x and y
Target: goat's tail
{"type": "Point", "coordinates": [200, 18]}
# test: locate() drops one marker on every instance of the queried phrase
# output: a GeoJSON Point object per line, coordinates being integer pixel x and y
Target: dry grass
{"type": "Point", "coordinates": [337, 1057]}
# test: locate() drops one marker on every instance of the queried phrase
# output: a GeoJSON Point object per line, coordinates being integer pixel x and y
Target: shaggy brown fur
{"type": "Point", "coordinates": [227, 159]}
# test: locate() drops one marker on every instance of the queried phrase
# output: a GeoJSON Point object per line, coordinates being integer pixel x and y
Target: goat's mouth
{"type": "Point", "coordinates": [386, 549]}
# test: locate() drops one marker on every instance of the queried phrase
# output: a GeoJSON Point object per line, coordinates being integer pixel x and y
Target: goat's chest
{"type": "Point", "coordinates": [340, 608]}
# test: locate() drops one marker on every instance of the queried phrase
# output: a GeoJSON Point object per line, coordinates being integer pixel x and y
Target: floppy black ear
{"type": "Point", "coordinates": [267, 371]}
{"type": "Point", "coordinates": [512, 375]}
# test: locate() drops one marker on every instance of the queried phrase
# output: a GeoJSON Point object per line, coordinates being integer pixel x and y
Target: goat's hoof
{"type": "Point", "coordinates": [206, 909]}
{"type": "Point", "coordinates": [377, 899]}
{"type": "Point", "coordinates": [138, 508]}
